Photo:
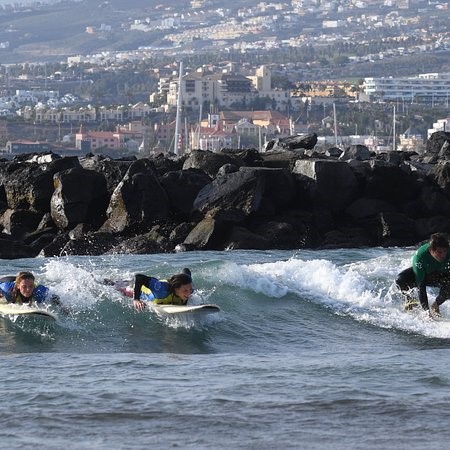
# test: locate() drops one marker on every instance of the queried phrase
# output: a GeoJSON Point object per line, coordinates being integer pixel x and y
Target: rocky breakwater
{"type": "Point", "coordinates": [291, 196]}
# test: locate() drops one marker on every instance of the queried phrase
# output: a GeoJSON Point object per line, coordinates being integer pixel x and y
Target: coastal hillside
{"type": "Point", "coordinates": [358, 38]}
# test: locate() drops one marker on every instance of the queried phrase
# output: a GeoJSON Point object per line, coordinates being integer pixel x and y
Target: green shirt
{"type": "Point", "coordinates": [424, 263]}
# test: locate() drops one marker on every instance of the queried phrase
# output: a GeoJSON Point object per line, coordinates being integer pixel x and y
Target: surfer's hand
{"type": "Point", "coordinates": [139, 305]}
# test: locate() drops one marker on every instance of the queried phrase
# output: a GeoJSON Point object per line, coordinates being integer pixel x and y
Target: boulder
{"type": "Point", "coordinates": [240, 238]}
{"type": "Point", "coordinates": [14, 249]}
{"type": "Point", "coordinates": [208, 234]}
{"type": "Point", "coordinates": [208, 161]}
{"type": "Point", "coordinates": [137, 201]}
{"type": "Point", "coordinates": [54, 247]}
{"type": "Point", "coordinates": [346, 237]}
{"type": "Point", "coordinates": [112, 170]}
{"type": "Point", "coordinates": [19, 222]}
{"type": "Point", "coordinates": [30, 185]}
{"type": "Point", "coordinates": [151, 242]}
{"type": "Point", "coordinates": [227, 168]}
{"type": "Point", "coordinates": [425, 227]}
{"type": "Point", "coordinates": [434, 202]}
{"type": "Point", "coordinates": [90, 244]}
{"type": "Point", "coordinates": [391, 183]}
{"type": "Point", "coordinates": [281, 159]}
{"type": "Point", "coordinates": [163, 165]}
{"type": "Point", "coordinates": [440, 175]}
{"type": "Point", "coordinates": [40, 239]}
{"type": "Point", "coordinates": [307, 141]}
{"type": "Point", "coordinates": [334, 184]}
{"type": "Point", "coordinates": [182, 188]}
{"type": "Point", "coordinates": [364, 207]}
{"type": "Point", "coordinates": [281, 235]}
{"type": "Point", "coordinates": [358, 152]}
{"type": "Point", "coordinates": [436, 141]}
{"type": "Point", "coordinates": [249, 191]}
{"type": "Point", "coordinates": [249, 157]}
{"type": "Point", "coordinates": [334, 152]}
{"type": "Point", "coordinates": [80, 196]}
{"type": "Point", "coordinates": [396, 228]}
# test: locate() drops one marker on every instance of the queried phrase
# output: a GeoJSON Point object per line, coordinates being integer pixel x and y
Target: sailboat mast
{"type": "Point", "coordinates": [335, 126]}
{"type": "Point", "coordinates": [177, 119]}
{"type": "Point", "coordinates": [199, 130]}
{"type": "Point", "coordinates": [393, 132]}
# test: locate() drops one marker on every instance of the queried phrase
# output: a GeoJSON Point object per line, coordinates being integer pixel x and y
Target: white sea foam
{"type": "Point", "coordinates": [364, 290]}
{"type": "Point", "coordinates": [75, 285]}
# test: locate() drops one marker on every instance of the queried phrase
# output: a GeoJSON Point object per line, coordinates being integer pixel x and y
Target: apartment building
{"type": "Point", "coordinates": [430, 88]}
{"type": "Point", "coordinates": [113, 113]}
{"type": "Point", "coordinates": [224, 89]}
{"type": "Point", "coordinates": [219, 89]}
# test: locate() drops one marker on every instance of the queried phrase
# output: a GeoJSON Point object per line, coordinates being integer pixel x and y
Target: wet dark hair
{"type": "Point", "coordinates": [178, 280]}
{"type": "Point", "coordinates": [438, 240]}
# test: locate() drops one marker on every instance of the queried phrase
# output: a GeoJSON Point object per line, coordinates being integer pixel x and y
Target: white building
{"type": "Point", "coordinates": [430, 88]}
{"type": "Point", "coordinates": [440, 125]}
{"type": "Point", "coordinates": [221, 90]}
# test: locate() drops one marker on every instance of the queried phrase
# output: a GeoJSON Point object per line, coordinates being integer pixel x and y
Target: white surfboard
{"type": "Point", "coordinates": [183, 309]}
{"type": "Point", "coordinates": [11, 309]}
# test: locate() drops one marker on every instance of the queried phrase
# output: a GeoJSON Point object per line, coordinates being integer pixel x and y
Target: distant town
{"type": "Point", "coordinates": [199, 75]}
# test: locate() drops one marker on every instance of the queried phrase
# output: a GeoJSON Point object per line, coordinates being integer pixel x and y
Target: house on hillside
{"type": "Point", "coordinates": [90, 141]}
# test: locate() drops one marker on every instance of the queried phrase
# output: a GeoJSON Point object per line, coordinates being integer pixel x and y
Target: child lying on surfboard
{"type": "Point", "coordinates": [174, 291]}
{"type": "Point", "coordinates": [23, 289]}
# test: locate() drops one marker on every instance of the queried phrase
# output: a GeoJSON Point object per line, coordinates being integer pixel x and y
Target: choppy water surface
{"type": "Point", "coordinates": [310, 350]}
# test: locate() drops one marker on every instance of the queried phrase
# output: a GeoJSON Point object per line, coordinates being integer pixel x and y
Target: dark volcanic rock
{"type": "Point", "coordinates": [182, 188]}
{"type": "Point", "coordinates": [294, 197]}
{"type": "Point", "coordinates": [307, 141]}
{"type": "Point", "coordinates": [334, 184]}
{"type": "Point", "coordinates": [357, 152]}
{"type": "Point", "coordinates": [14, 249]}
{"type": "Point", "coordinates": [18, 222]}
{"type": "Point", "coordinates": [209, 162]}
{"type": "Point", "coordinates": [436, 142]}
{"type": "Point", "coordinates": [30, 185]}
{"type": "Point", "coordinates": [248, 191]}
{"type": "Point", "coordinates": [80, 196]}
{"type": "Point", "coordinates": [137, 200]}
{"type": "Point", "coordinates": [113, 170]}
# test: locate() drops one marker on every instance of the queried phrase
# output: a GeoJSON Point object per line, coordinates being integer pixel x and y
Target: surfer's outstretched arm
{"type": "Point", "coordinates": [139, 281]}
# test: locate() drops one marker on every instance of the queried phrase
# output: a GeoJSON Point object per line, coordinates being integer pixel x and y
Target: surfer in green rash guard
{"type": "Point", "coordinates": [174, 291]}
{"type": "Point", "coordinates": [431, 267]}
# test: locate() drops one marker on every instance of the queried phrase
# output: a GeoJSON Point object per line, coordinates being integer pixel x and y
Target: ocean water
{"type": "Point", "coordinates": [25, 2]}
{"type": "Point", "coordinates": [311, 350]}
